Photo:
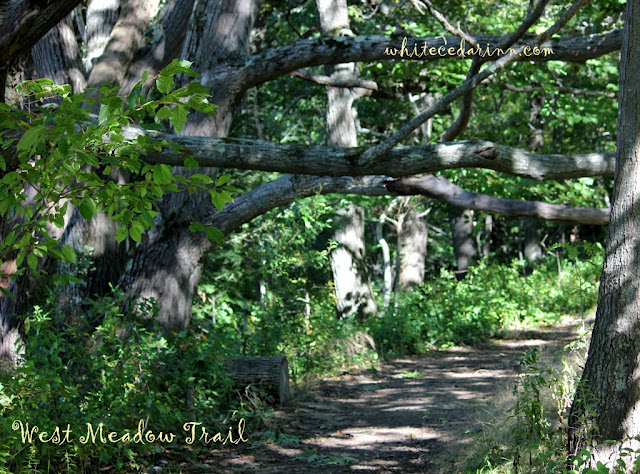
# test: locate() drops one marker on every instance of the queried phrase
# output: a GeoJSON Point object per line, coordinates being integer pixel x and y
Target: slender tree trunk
{"type": "Point", "coordinates": [386, 254]}
{"type": "Point", "coordinates": [486, 235]}
{"type": "Point", "coordinates": [461, 222]}
{"type": "Point", "coordinates": [348, 264]}
{"type": "Point", "coordinates": [611, 378]}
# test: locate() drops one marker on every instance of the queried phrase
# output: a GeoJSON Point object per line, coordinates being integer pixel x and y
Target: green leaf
{"type": "Point", "coordinates": [29, 140]}
{"type": "Point", "coordinates": [214, 235]}
{"type": "Point", "coordinates": [88, 208]}
{"type": "Point", "coordinates": [121, 233]}
{"type": "Point", "coordinates": [196, 227]}
{"type": "Point", "coordinates": [134, 96]}
{"type": "Point", "coordinates": [189, 162]}
{"type": "Point", "coordinates": [164, 84]}
{"type": "Point", "coordinates": [69, 253]}
{"type": "Point", "coordinates": [179, 117]}
{"type": "Point", "coordinates": [103, 115]}
{"type": "Point", "coordinates": [163, 113]}
{"type": "Point", "coordinates": [178, 66]}
{"type": "Point", "coordinates": [202, 178]}
{"type": "Point", "coordinates": [162, 174]}
{"type": "Point", "coordinates": [32, 261]}
{"type": "Point", "coordinates": [136, 230]}
{"type": "Point", "coordinates": [222, 180]}
{"type": "Point", "coordinates": [218, 201]}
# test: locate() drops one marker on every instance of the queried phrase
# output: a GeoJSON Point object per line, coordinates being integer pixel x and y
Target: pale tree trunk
{"type": "Point", "coordinates": [487, 232]}
{"type": "Point", "coordinates": [386, 254]}
{"type": "Point", "coordinates": [611, 377]}
{"type": "Point", "coordinates": [353, 291]}
{"type": "Point", "coordinates": [350, 274]}
{"type": "Point", "coordinates": [531, 231]}
{"type": "Point", "coordinates": [461, 222]}
{"type": "Point", "coordinates": [412, 248]}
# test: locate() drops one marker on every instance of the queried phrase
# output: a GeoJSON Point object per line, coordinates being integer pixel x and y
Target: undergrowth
{"type": "Point", "coordinates": [110, 362]}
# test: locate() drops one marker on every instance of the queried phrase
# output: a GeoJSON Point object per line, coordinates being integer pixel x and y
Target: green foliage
{"type": "Point", "coordinates": [113, 366]}
{"type": "Point", "coordinates": [64, 157]}
{"type": "Point", "coordinates": [444, 312]}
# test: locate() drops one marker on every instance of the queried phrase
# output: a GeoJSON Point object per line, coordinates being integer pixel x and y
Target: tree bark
{"type": "Point", "coordinates": [168, 264]}
{"type": "Point", "coordinates": [101, 17]}
{"type": "Point", "coordinates": [532, 248]}
{"type": "Point", "coordinates": [412, 247]}
{"type": "Point", "coordinates": [461, 222]}
{"type": "Point", "coordinates": [269, 372]}
{"type": "Point", "coordinates": [350, 273]}
{"type": "Point", "coordinates": [610, 385]}
{"type": "Point", "coordinates": [57, 56]}
{"type": "Point", "coordinates": [354, 296]}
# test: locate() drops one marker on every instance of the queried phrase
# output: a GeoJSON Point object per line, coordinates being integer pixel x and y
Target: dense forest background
{"type": "Point", "coordinates": [428, 202]}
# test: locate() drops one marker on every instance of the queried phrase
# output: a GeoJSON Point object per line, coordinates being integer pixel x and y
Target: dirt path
{"type": "Point", "coordinates": [414, 415]}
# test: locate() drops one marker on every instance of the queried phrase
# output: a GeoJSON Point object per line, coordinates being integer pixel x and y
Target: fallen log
{"type": "Point", "coordinates": [270, 372]}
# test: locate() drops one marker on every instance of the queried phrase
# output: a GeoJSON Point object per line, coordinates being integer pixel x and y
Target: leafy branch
{"type": "Point", "coordinates": [58, 154]}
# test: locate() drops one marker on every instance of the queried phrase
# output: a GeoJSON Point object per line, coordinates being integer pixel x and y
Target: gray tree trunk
{"type": "Point", "coordinates": [412, 248]}
{"type": "Point", "coordinates": [350, 273]}
{"type": "Point", "coordinates": [461, 222]}
{"type": "Point", "coordinates": [611, 375]}
{"type": "Point", "coordinates": [168, 265]}
{"type": "Point", "coordinates": [532, 247]}
{"type": "Point", "coordinates": [353, 291]}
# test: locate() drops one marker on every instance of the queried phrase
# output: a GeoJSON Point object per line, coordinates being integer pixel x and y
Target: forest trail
{"type": "Point", "coordinates": [414, 415]}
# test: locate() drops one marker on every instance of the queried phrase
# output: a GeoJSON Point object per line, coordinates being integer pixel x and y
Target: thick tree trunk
{"type": "Point", "coordinates": [101, 17]}
{"type": "Point", "coordinates": [168, 264]}
{"type": "Point", "coordinates": [350, 273]}
{"type": "Point", "coordinates": [57, 56]}
{"type": "Point", "coordinates": [611, 377]}
{"type": "Point", "coordinates": [461, 222]}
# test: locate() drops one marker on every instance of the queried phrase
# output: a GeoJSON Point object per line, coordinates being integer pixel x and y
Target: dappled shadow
{"type": "Point", "coordinates": [411, 415]}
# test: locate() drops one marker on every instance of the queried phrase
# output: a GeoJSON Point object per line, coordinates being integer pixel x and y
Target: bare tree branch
{"type": "Point", "coordinates": [402, 161]}
{"type": "Point", "coordinates": [443, 20]}
{"type": "Point", "coordinates": [284, 190]}
{"type": "Point", "coordinates": [564, 90]}
{"type": "Point", "coordinates": [440, 188]}
{"type": "Point", "coordinates": [335, 82]}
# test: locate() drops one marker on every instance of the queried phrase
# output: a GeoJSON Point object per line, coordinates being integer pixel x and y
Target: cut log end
{"type": "Point", "coordinates": [270, 372]}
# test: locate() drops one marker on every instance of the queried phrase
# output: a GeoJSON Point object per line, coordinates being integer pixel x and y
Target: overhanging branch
{"type": "Point", "coordinates": [261, 155]}
{"type": "Point", "coordinates": [287, 188]}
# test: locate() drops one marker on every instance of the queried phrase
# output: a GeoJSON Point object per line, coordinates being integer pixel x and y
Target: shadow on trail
{"type": "Point", "coordinates": [412, 415]}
